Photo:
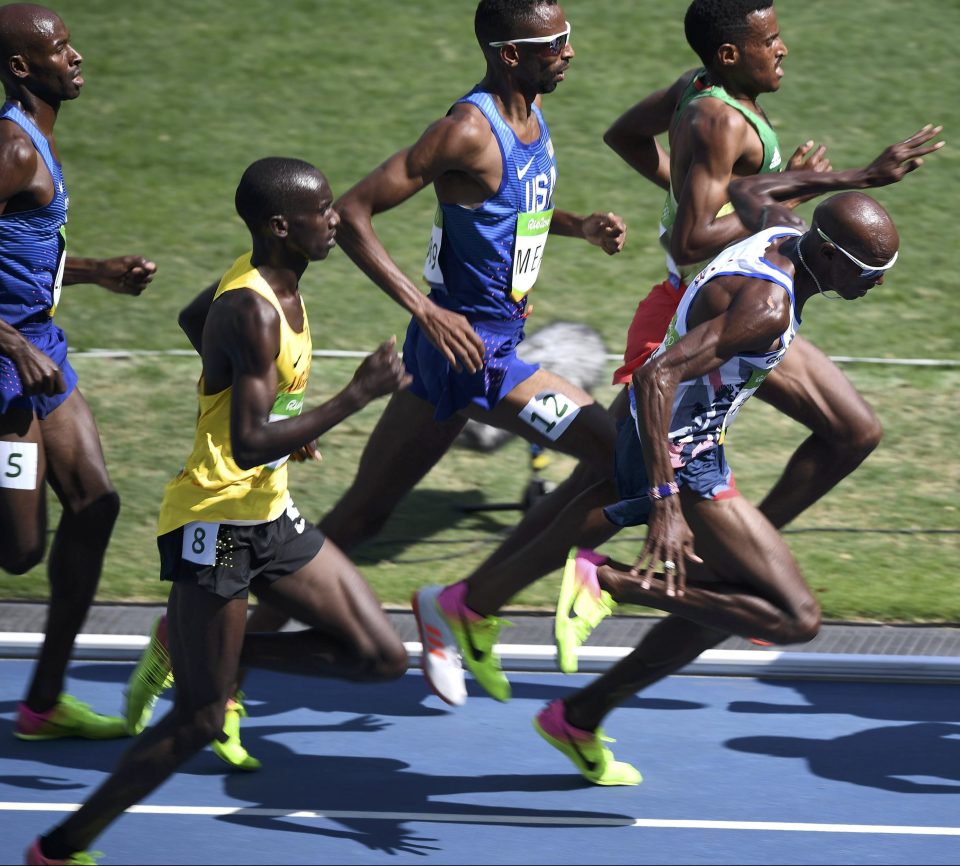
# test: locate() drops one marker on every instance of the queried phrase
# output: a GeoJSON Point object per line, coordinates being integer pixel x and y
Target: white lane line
{"type": "Point", "coordinates": [537, 820]}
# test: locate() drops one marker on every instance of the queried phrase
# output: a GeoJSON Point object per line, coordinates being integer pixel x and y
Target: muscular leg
{"type": "Point", "coordinates": [808, 387]}
{"type": "Point", "coordinates": [348, 634]}
{"type": "Point", "coordinates": [669, 646]}
{"type": "Point", "coordinates": [749, 583]}
{"type": "Point", "coordinates": [205, 639]}
{"type": "Point", "coordinates": [77, 473]}
{"type": "Point", "coordinates": [404, 446]}
{"type": "Point", "coordinates": [566, 516]}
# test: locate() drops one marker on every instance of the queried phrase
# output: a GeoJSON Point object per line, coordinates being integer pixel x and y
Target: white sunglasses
{"type": "Point", "coordinates": [867, 272]}
{"type": "Point", "coordinates": [553, 44]}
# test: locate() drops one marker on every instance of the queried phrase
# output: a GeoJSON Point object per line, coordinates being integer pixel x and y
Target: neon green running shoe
{"type": "Point", "coordinates": [150, 677]}
{"type": "Point", "coordinates": [584, 748]}
{"type": "Point", "coordinates": [68, 718]}
{"type": "Point", "coordinates": [582, 606]}
{"type": "Point", "coordinates": [231, 750]}
{"type": "Point", "coordinates": [444, 610]}
{"type": "Point", "coordinates": [35, 857]}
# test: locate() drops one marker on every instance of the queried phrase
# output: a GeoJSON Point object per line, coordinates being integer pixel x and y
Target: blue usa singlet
{"type": "Point", "coordinates": [483, 261]}
{"type": "Point", "coordinates": [33, 243]}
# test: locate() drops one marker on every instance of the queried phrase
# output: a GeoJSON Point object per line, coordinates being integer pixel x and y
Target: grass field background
{"type": "Point", "coordinates": [178, 104]}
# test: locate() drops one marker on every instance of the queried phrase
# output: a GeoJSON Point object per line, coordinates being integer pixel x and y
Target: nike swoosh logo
{"type": "Point", "coordinates": [590, 765]}
{"type": "Point", "coordinates": [475, 654]}
{"type": "Point", "coordinates": [521, 172]}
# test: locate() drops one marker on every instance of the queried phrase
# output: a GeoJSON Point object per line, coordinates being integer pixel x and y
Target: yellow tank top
{"type": "Point", "coordinates": [211, 487]}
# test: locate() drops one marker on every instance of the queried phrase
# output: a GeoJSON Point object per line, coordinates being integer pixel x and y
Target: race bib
{"type": "Point", "coordinates": [431, 267]}
{"type": "Point", "coordinates": [18, 465]}
{"type": "Point", "coordinates": [550, 413]}
{"type": "Point", "coordinates": [58, 279]}
{"type": "Point", "coordinates": [532, 231]}
{"type": "Point", "coordinates": [200, 543]}
{"type": "Point", "coordinates": [285, 406]}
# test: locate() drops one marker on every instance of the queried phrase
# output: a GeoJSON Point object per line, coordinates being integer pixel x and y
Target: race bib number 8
{"type": "Point", "coordinates": [18, 465]}
{"type": "Point", "coordinates": [532, 231]}
{"type": "Point", "coordinates": [200, 543]}
{"type": "Point", "coordinates": [550, 413]}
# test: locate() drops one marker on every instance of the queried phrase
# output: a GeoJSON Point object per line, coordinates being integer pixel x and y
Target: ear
{"type": "Point", "coordinates": [728, 54]}
{"type": "Point", "coordinates": [509, 55]}
{"type": "Point", "coordinates": [18, 66]}
{"type": "Point", "coordinates": [279, 227]}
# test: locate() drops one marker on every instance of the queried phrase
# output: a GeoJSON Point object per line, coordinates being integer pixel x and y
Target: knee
{"type": "Point", "coordinates": [196, 727]}
{"type": "Point", "coordinates": [96, 516]}
{"type": "Point", "coordinates": [860, 435]}
{"type": "Point", "coordinates": [804, 625]}
{"type": "Point", "coordinates": [20, 559]}
{"type": "Point", "coordinates": [385, 663]}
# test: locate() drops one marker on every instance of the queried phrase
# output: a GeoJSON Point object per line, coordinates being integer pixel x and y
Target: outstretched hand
{"type": "Point", "coordinates": [809, 157]}
{"type": "Point", "coordinates": [126, 275]}
{"type": "Point", "coordinates": [381, 373]}
{"type": "Point", "coordinates": [905, 156]}
{"type": "Point", "coordinates": [606, 230]}
{"type": "Point", "coordinates": [669, 545]}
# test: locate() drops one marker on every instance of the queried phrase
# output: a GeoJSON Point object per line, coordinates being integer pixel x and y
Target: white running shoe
{"type": "Point", "coordinates": [440, 656]}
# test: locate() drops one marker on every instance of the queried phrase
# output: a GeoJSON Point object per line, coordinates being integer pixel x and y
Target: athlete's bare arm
{"type": "Point", "coordinates": [633, 135]}
{"type": "Point", "coordinates": [731, 316]}
{"type": "Point", "coordinates": [123, 275]}
{"type": "Point", "coordinates": [193, 316]}
{"type": "Point", "coordinates": [460, 154]}
{"type": "Point", "coordinates": [758, 199]}
{"type": "Point", "coordinates": [240, 346]}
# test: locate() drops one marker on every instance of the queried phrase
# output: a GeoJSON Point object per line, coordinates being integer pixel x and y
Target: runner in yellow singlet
{"type": "Point", "coordinates": [227, 525]}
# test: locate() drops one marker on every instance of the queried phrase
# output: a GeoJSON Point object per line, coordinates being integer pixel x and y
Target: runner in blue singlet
{"type": "Point", "coordinates": [46, 429]}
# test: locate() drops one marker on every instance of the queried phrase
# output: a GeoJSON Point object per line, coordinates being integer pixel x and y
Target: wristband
{"type": "Point", "coordinates": [662, 491]}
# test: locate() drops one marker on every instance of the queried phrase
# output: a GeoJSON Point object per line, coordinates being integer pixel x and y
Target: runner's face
{"type": "Point", "coordinates": [762, 51]}
{"type": "Point", "coordinates": [53, 62]}
{"type": "Point", "coordinates": [313, 230]}
{"type": "Point", "coordinates": [548, 68]}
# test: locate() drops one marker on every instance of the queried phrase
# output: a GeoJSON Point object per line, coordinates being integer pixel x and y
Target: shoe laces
{"type": "Point", "coordinates": [486, 631]}
{"type": "Point", "coordinates": [156, 667]}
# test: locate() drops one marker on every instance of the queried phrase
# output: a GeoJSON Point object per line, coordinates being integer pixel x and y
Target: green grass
{"type": "Point", "coordinates": [880, 547]}
{"type": "Point", "coordinates": [178, 103]}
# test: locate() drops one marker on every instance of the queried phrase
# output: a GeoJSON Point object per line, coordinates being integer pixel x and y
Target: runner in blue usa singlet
{"type": "Point", "coordinates": [32, 257]}
{"type": "Point", "coordinates": [482, 263]}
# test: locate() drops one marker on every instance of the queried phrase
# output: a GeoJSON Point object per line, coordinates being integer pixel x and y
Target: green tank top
{"type": "Point", "coordinates": [772, 161]}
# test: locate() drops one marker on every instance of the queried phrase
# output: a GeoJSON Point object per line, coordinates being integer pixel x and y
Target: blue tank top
{"type": "Point", "coordinates": [483, 261]}
{"type": "Point", "coordinates": [33, 243]}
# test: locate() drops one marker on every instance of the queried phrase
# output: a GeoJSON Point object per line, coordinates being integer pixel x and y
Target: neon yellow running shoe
{"type": "Point", "coordinates": [584, 748]}
{"type": "Point", "coordinates": [35, 857]}
{"type": "Point", "coordinates": [68, 718]}
{"type": "Point", "coordinates": [150, 677]}
{"type": "Point", "coordinates": [231, 750]}
{"type": "Point", "coordinates": [581, 607]}
{"type": "Point", "coordinates": [443, 610]}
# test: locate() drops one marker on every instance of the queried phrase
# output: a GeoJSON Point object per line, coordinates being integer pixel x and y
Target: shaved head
{"type": "Point", "coordinates": [23, 26]}
{"type": "Point", "coordinates": [859, 224]}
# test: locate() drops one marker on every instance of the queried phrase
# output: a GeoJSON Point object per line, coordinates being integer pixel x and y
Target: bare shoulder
{"type": "Point", "coordinates": [712, 120]}
{"type": "Point", "coordinates": [466, 132]}
{"type": "Point", "coordinates": [18, 158]}
{"type": "Point", "coordinates": [242, 314]}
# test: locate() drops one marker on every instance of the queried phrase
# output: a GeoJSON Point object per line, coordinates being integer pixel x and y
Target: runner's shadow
{"type": "Point", "coordinates": [426, 513]}
{"type": "Point", "coordinates": [903, 758]}
{"type": "Point", "coordinates": [382, 785]}
{"type": "Point", "coordinates": [917, 702]}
